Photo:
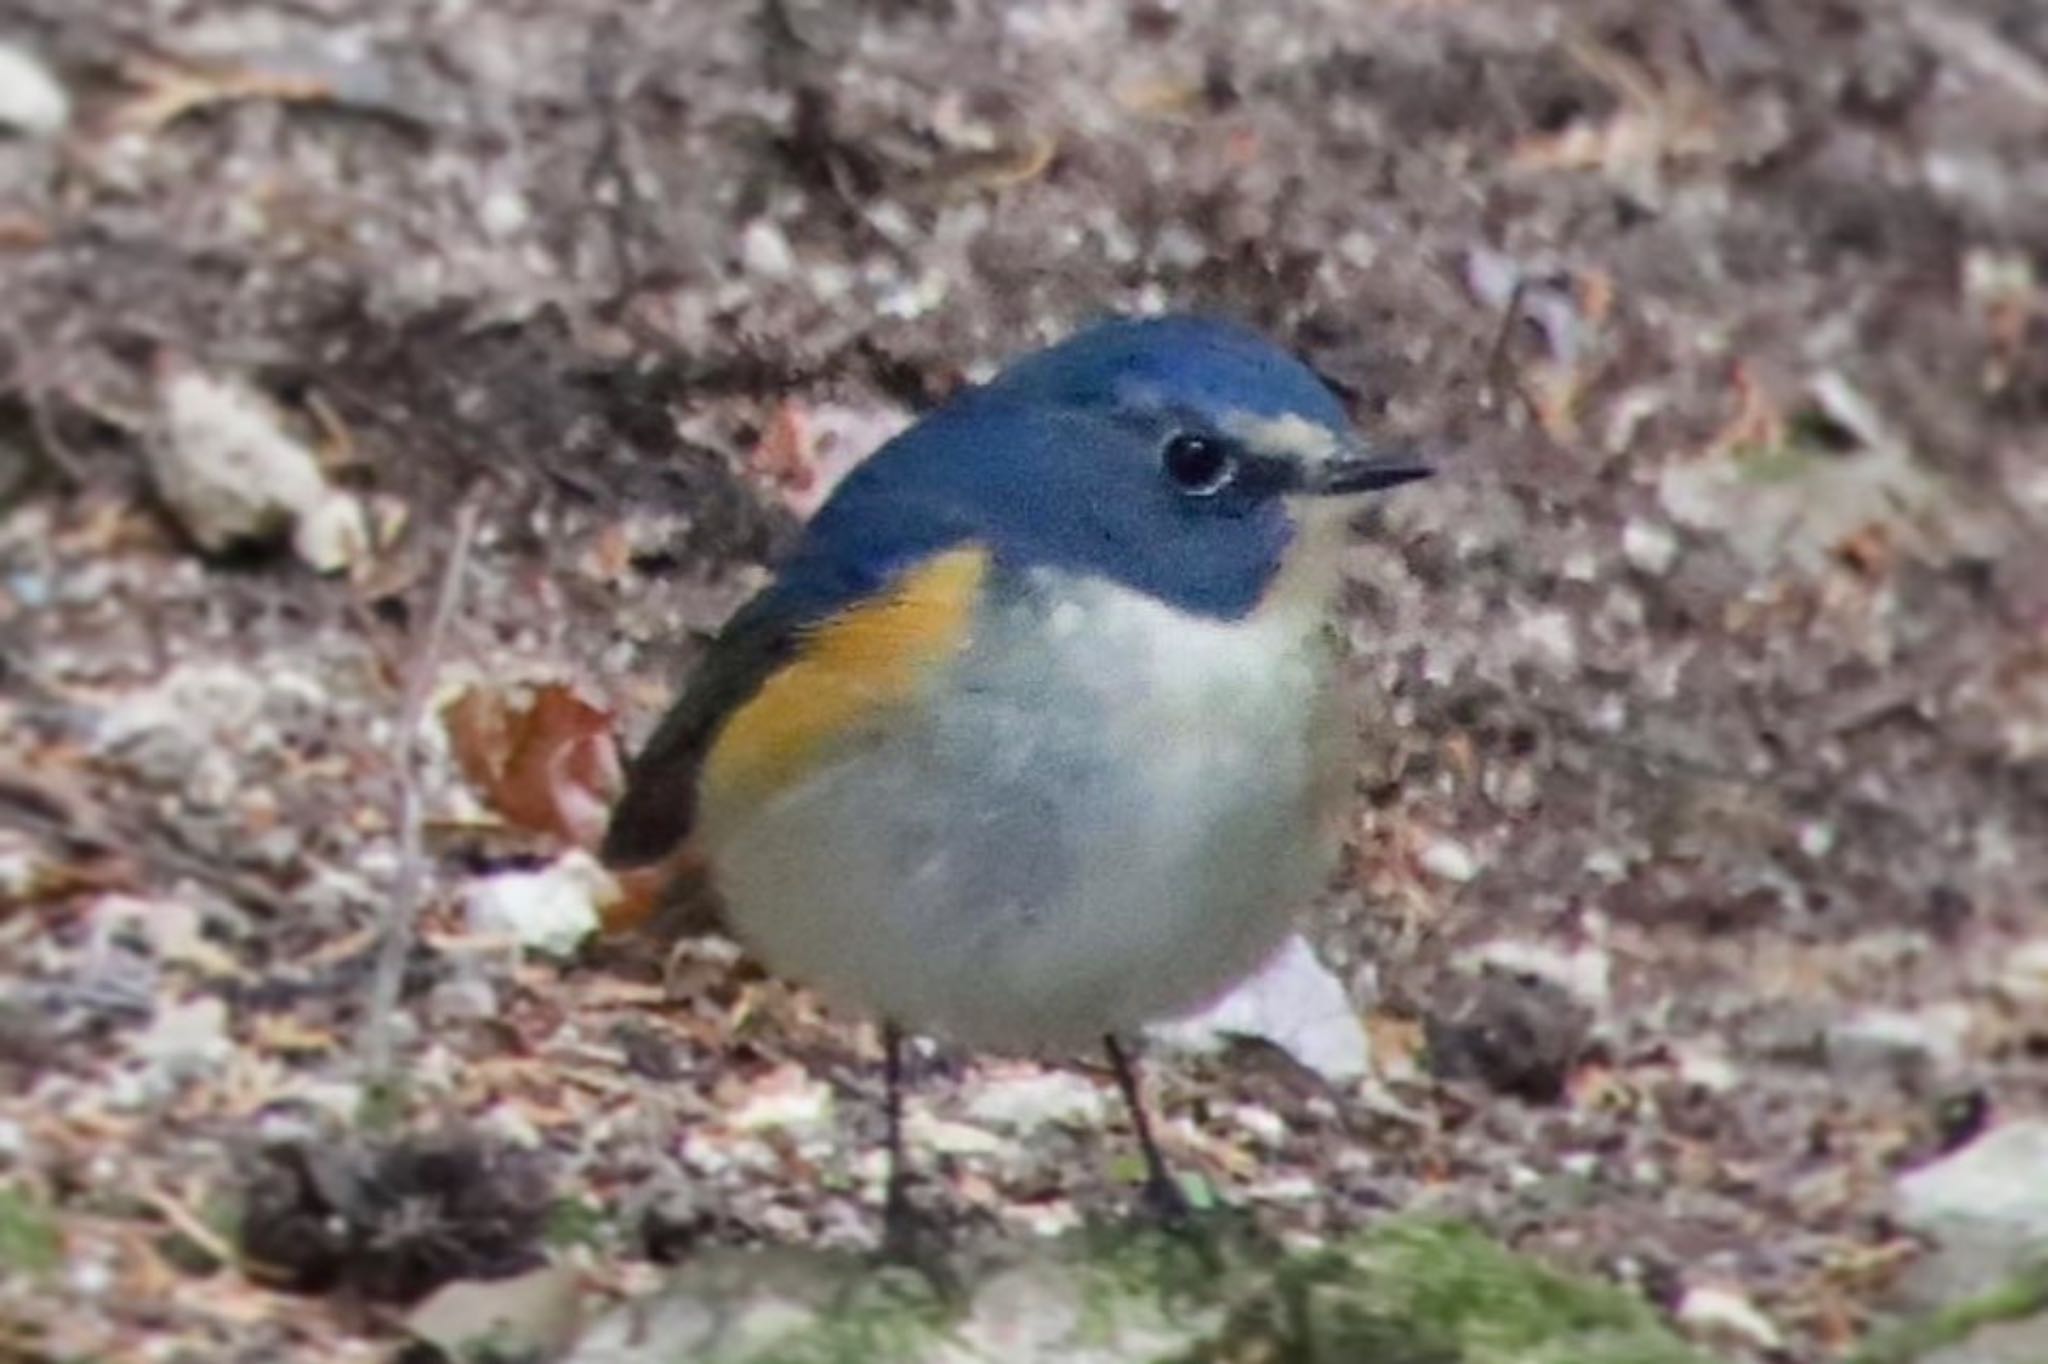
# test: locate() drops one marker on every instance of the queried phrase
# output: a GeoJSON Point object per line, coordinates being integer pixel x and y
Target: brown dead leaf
{"type": "Point", "coordinates": [609, 556]}
{"type": "Point", "coordinates": [21, 231]}
{"type": "Point", "coordinates": [1397, 1044]}
{"type": "Point", "coordinates": [288, 1036]}
{"type": "Point", "coordinates": [1657, 121]}
{"type": "Point", "coordinates": [1001, 168]}
{"type": "Point", "coordinates": [1759, 420]}
{"type": "Point", "coordinates": [1594, 291]}
{"type": "Point", "coordinates": [1161, 96]}
{"type": "Point", "coordinates": [547, 763]}
{"type": "Point", "coordinates": [783, 454]}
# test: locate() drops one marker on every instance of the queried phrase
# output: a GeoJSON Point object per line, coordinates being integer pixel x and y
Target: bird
{"type": "Point", "coordinates": [1037, 735]}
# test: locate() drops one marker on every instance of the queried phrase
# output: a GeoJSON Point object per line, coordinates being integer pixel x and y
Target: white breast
{"type": "Point", "coordinates": [1103, 816]}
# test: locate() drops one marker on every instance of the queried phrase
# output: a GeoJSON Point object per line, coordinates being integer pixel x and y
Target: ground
{"type": "Point", "coordinates": [1700, 883]}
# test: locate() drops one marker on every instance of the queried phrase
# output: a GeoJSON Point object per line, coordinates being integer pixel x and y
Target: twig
{"type": "Point", "coordinates": [56, 451]}
{"type": "Point", "coordinates": [409, 889]}
{"type": "Point", "coordinates": [189, 1225]}
{"type": "Point", "coordinates": [66, 815]}
{"type": "Point", "coordinates": [1973, 44]}
{"type": "Point", "coordinates": [625, 215]}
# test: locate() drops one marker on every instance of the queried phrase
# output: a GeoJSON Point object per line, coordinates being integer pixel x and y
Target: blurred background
{"type": "Point", "coordinates": [1700, 885]}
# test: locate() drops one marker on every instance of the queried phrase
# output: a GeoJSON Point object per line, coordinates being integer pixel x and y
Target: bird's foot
{"type": "Point", "coordinates": [1164, 1203]}
{"type": "Point", "coordinates": [918, 1242]}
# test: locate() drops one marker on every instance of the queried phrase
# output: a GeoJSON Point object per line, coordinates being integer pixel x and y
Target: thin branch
{"type": "Point", "coordinates": [63, 814]}
{"type": "Point", "coordinates": [409, 889]}
{"type": "Point", "coordinates": [624, 215]}
{"type": "Point", "coordinates": [1976, 46]}
{"type": "Point", "coordinates": [189, 1225]}
{"type": "Point", "coordinates": [56, 451]}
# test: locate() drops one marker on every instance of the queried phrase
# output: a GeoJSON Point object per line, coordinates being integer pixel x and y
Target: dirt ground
{"type": "Point", "coordinates": [1708, 682]}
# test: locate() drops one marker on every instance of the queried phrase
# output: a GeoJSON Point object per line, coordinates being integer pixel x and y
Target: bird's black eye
{"type": "Point", "coordinates": [1200, 465]}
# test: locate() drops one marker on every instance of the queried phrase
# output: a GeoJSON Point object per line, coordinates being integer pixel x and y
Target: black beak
{"type": "Point", "coordinates": [1361, 472]}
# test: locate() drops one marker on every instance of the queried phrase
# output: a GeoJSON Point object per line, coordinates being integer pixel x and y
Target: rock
{"type": "Point", "coordinates": [928, 1132]}
{"type": "Point", "coordinates": [31, 99]}
{"type": "Point", "coordinates": [1448, 860]}
{"type": "Point", "coordinates": [1985, 1207]}
{"type": "Point", "coordinates": [1649, 547]}
{"type": "Point", "coordinates": [331, 534]}
{"type": "Point", "coordinates": [463, 999]}
{"type": "Point", "coordinates": [551, 910]}
{"type": "Point", "coordinates": [1407, 1290]}
{"type": "Point", "coordinates": [1040, 1098]}
{"type": "Point", "coordinates": [1585, 973]}
{"type": "Point", "coordinates": [765, 250]}
{"type": "Point", "coordinates": [187, 1039]}
{"type": "Point", "coordinates": [1905, 1044]}
{"type": "Point", "coordinates": [786, 1099]}
{"type": "Point", "coordinates": [234, 475]}
{"type": "Point", "coordinates": [173, 733]}
{"type": "Point", "coordinates": [531, 1315]}
{"type": "Point", "coordinates": [1517, 1033]}
{"type": "Point", "coordinates": [1296, 1004]}
{"type": "Point", "coordinates": [2025, 975]}
{"type": "Point", "coordinates": [1723, 1316]}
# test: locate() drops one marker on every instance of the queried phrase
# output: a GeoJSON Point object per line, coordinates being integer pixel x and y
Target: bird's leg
{"type": "Point", "coordinates": [1162, 1195]}
{"type": "Point", "coordinates": [902, 1236]}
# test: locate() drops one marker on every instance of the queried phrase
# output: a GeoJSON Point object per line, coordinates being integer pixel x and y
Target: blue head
{"type": "Point", "coordinates": [1178, 456]}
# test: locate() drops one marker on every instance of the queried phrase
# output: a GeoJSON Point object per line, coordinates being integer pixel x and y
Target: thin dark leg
{"type": "Point", "coordinates": [907, 1238]}
{"type": "Point", "coordinates": [899, 1229]}
{"type": "Point", "coordinates": [1162, 1194]}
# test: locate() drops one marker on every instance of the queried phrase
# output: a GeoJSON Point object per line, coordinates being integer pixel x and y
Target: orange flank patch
{"type": "Point", "coordinates": [847, 670]}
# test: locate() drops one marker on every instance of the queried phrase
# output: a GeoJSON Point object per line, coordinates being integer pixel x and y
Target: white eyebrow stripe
{"type": "Point", "coordinates": [1289, 435]}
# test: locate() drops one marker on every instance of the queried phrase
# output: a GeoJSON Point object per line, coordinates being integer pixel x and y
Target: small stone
{"type": "Point", "coordinates": [1553, 637]}
{"type": "Point", "coordinates": [1585, 973]}
{"type": "Point", "coordinates": [1706, 1066]}
{"type": "Point", "coordinates": [1724, 1316]}
{"type": "Point", "coordinates": [331, 534]}
{"type": "Point", "coordinates": [765, 251]}
{"type": "Point", "coordinates": [233, 474]}
{"type": "Point", "coordinates": [465, 999]}
{"type": "Point", "coordinates": [1650, 548]}
{"type": "Point", "coordinates": [1900, 1042]}
{"type": "Point", "coordinates": [166, 733]}
{"type": "Point", "coordinates": [2025, 977]}
{"type": "Point", "coordinates": [1027, 1102]}
{"type": "Point", "coordinates": [504, 212]}
{"type": "Point", "coordinates": [1448, 860]}
{"type": "Point", "coordinates": [1262, 1125]}
{"type": "Point", "coordinates": [90, 1276]}
{"type": "Point", "coordinates": [551, 910]}
{"type": "Point", "coordinates": [788, 1099]}
{"type": "Point", "coordinates": [31, 99]}
{"type": "Point", "coordinates": [187, 1039]}
{"type": "Point", "coordinates": [20, 871]}
{"type": "Point", "coordinates": [927, 1133]}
